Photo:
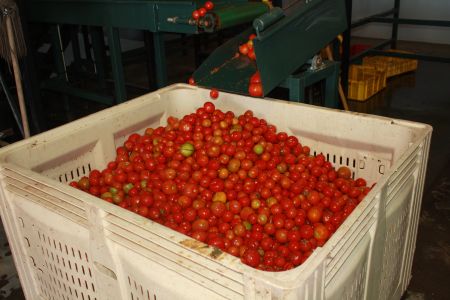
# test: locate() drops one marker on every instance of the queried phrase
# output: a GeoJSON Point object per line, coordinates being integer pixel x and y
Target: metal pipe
{"type": "Point", "coordinates": [364, 53]}
{"type": "Point", "coordinates": [346, 46]}
{"type": "Point", "coordinates": [369, 19]}
{"type": "Point", "coordinates": [437, 23]}
{"type": "Point", "coordinates": [11, 103]}
{"type": "Point", "coordinates": [17, 77]}
{"type": "Point", "coordinates": [395, 24]}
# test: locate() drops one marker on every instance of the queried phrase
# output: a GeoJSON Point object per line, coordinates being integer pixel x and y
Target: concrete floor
{"type": "Point", "coordinates": [423, 96]}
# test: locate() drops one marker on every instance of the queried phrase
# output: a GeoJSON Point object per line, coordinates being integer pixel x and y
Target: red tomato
{"type": "Point", "coordinates": [202, 12]}
{"type": "Point", "coordinates": [314, 214]}
{"type": "Point", "coordinates": [256, 78]}
{"type": "Point", "coordinates": [306, 231]}
{"type": "Point", "coordinates": [83, 183]}
{"type": "Point", "coordinates": [209, 5]}
{"type": "Point", "coordinates": [214, 94]}
{"type": "Point", "coordinates": [251, 257]}
{"type": "Point", "coordinates": [200, 225]}
{"type": "Point", "coordinates": [195, 14]}
{"type": "Point", "coordinates": [281, 235]}
{"type": "Point", "coordinates": [255, 90]}
{"type": "Point", "coordinates": [143, 210]}
{"type": "Point", "coordinates": [251, 54]}
{"type": "Point", "coordinates": [360, 182]}
{"type": "Point", "coordinates": [321, 232]}
{"type": "Point", "coordinates": [169, 187]}
{"type": "Point", "coordinates": [218, 208]}
{"type": "Point", "coordinates": [344, 172]}
{"type": "Point", "coordinates": [209, 107]}
{"type": "Point", "coordinates": [244, 49]}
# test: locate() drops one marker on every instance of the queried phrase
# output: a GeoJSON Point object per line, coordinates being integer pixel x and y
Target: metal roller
{"type": "Point", "coordinates": [232, 15]}
{"type": "Point", "coordinates": [263, 22]}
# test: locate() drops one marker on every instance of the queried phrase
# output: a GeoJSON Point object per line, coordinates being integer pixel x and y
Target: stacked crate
{"type": "Point", "coordinates": [369, 78]}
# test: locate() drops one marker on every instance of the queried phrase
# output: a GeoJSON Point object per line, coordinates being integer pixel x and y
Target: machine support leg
{"type": "Point", "coordinates": [87, 46]}
{"type": "Point", "coordinates": [197, 50]}
{"type": "Point", "coordinates": [12, 104]}
{"type": "Point", "coordinates": [297, 89]}
{"type": "Point", "coordinates": [75, 46]}
{"type": "Point", "coordinates": [98, 45]}
{"type": "Point", "coordinates": [58, 57]}
{"type": "Point", "coordinates": [160, 59]}
{"type": "Point", "coordinates": [346, 46]}
{"type": "Point", "coordinates": [116, 64]}
{"type": "Point", "coordinates": [331, 88]}
{"type": "Point", "coordinates": [395, 24]}
{"type": "Point", "coordinates": [58, 54]}
{"type": "Point", "coordinates": [150, 54]}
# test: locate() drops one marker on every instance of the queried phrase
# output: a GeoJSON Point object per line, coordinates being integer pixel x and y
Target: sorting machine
{"type": "Point", "coordinates": [287, 41]}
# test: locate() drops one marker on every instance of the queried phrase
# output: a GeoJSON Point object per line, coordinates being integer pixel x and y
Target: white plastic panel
{"type": "Point", "coordinates": [57, 254]}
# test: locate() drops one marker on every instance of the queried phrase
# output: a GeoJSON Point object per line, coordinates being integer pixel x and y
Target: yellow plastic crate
{"type": "Point", "coordinates": [393, 65]}
{"type": "Point", "coordinates": [365, 81]}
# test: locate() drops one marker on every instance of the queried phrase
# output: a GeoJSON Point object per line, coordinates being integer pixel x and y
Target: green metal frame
{"type": "Point", "coordinates": [112, 15]}
{"type": "Point", "coordinates": [149, 16]}
{"type": "Point", "coordinates": [329, 72]}
{"type": "Point", "coordinates": [99, 48]}
{"type": "Point", "coordinates": [137, 14]}
{"type": "Point", "coordinates": [116, 63]}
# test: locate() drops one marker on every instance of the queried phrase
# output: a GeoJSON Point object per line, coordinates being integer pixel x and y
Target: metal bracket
{"type": "Point", "coordinates": [178, 20]}
{"type": "Point", "coordinates": [316, 63]}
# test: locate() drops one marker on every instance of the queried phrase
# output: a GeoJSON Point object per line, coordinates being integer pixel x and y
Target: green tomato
{"type": "Point", "coordinates": [143, 184]}
{"type": "Point", "coordinates": [106, 195]}
{"type": "Point", "coordinates": [258, 149]}
{"type": "Point", "coordinates": [117, 199]}
{"type": "Point", "coordinates": [127, 187]}
{"type": "Point", "coordinates": [187, 149]}
{"type": "Point", "coordinates": [247, 225]}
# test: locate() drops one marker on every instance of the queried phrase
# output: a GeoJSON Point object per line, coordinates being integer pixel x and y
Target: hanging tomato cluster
{"type": "Point", "coordinates": [232, 182]}
{"type": "Point", "coordinates": [255, 86]}
{"type": "Point", "coordinates": [201, 12]}
{"type": "Point", "coordinates": [247, 48]}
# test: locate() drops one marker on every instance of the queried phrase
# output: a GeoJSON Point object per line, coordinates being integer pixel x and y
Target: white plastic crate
{"type": "Point", "coordinates": [70, 245]}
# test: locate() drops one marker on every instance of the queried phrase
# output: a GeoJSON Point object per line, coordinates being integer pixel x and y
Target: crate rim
{"type": "Point", "coordinates": [81, 122]}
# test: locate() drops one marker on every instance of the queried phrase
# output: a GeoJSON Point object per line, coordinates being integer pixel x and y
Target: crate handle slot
{"type": "Point", "coordinates": [21, 222]}
{"type": "Point", "coordinates": [105, 270]}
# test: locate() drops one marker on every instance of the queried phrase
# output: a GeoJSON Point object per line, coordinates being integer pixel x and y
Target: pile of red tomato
{"type": "Point", "coordinates": [232, 182]}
